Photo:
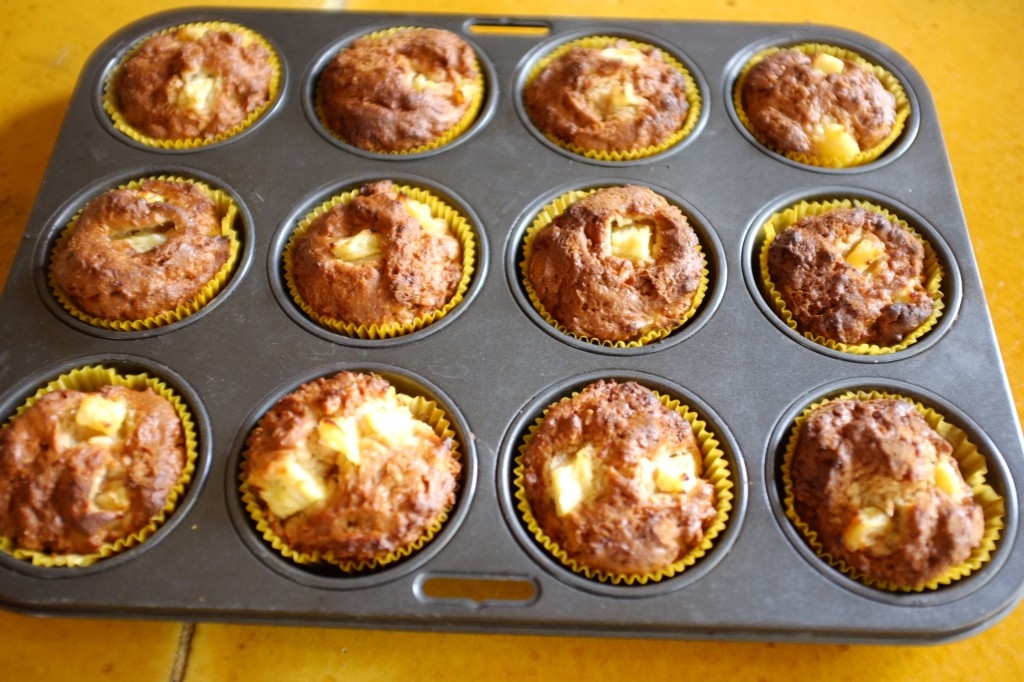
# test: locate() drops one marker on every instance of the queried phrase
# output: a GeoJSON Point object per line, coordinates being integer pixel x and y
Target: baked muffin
{"type": "Point", "coordinates": [614, 478]}
{"type": "Point", "coordinates": [620, 97]}
{"type": "Point", "coordinates": [342, 467]}
{"type": "Point", "coordinates": [883, 493]}
{"type": "Point", "coordinates": [83, 469]}
{"type": "Point", "coordinates": [851, 275]}
{"type": "Point", "coordinates": [401, 90]}
{"type": "Point", "coordinates": [817, 105]}
{"type": "Point", "coordinates": [379, 259]}
{"type": "Point", "coordinates": [197, 81]}
{"type": "Point", "coordinates": [616, 264]}
{"type": "Point", "coordinates": [138, 252]}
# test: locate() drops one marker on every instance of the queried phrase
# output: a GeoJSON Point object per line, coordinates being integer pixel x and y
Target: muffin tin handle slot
{"type": "Point", "coordinates": [508, 27]}
{"type": "Point", "coordinates": [476, 590]}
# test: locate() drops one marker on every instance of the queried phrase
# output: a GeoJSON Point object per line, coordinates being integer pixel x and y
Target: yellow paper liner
{"type": "Point", "coordinates": [92, 378]}
{"type": "Point", "coordinates": [888, 80]}
{"type": "Point", "coordinates": [445, 138]}
{"type": "Point", "coordinates": [692, 97]}
{"type": "Point", "coordinates": [228, 212]}
{"type": "Point", "coordinates": [973, 468]}
{"type": "Point", "coordinates": [113, 109]}
{"type": "Point", "coordinates": [423, 409]}
{"type": "Point", "coordinates": [543, 219]}
{"type": "Point", "coordinates": [933, 274]}
{"type": "Point", "coordinates": [715, 470]}
{"type": "Point", "coordinates": [456, 223]}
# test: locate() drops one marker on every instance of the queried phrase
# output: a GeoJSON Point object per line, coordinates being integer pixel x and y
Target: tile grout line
{"type": "Point", "coordinates": [184, 648]}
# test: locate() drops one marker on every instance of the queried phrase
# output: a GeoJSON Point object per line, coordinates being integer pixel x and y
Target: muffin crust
{"type": "Point", "coordinates": [136, 253]}
{"type": "Point", "coordinates": [816, 104]}
{"type": "Point", "coordinates": [378, 259]}
{"type": "Point", "coordinates": [617, 98]}
{"type": "Point", "coordinates": [616, 264]}
{"type": "Point", "coordinates": [401, 91]}
{"type": "Point", "coordinates": [613, 477]}
{"type": "Point", "coordinates": [882, 491]}
{"type": "Point", "coordinates": [339, 467]}
{"type": "Point", "coordinates": [80, 470]}
{"type": "Point", "coordinates": [851, 275]}
{"type": "Point", "coordinates": [195, 82]}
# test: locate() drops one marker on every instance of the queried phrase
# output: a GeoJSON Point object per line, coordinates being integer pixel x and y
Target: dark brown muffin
{"type": "Point", "coordinates": [399, 91]}
{"type": "Point", "coordinates": [852, 276]}
{"type": "Point", "coordinates": [340, 466]}
{"type": "Point", "coordinates": [194, 82]}
{"type": "Point", "coordinates": [614, 478]}
{"type": "Point", "coordinates": [616, 264]}
{"type": "Point", "coordinates": [622, 97]}
{"type": "Point", "coordinates": [882, 491]}
{"type": "Point", "coordinates": [135, 253]}
{"type": "Point", "coordinates": [80, 470]}
{"type": "Point", "coordinates": [378, 259]}
{"type": "Point", "coordinates": [816, 104]}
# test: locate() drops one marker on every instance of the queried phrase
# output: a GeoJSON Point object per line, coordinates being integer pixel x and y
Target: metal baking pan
{"type": "Point", "coordinates": [494, 364]}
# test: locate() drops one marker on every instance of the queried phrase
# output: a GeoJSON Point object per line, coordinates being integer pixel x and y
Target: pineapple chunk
{"type": "Point", "coordinates": [341, 435]}
{"type": "Point", "coordinates": [197, 92]}
{"type": "Point", "coordinates": [631, 241]}
{"type": "Point", "coordinates": [865, 252]}
{"type": "Point", "coordinates": [101, 414]}
{"type": "Point", "coordinates": [834, 141]}
{"type": "Point", "coordinates": [141, 243]}
{"type": "Point", "coordinates": [947, 479]}
{"type": "Point", "coordinates": [573, 481]}
{"type": "Point", "coordinates": [152, 197]}
{"type": "Point", "coordinates": [421, 82]}
{"type": "Point", "coordinates": [827, 64]}
{"type": "Point", "coordinates": [390, 423]}
{"type": "Point", "coordinates": [629, 55]}
{"type": "Point", "coordinates": [624, 97]}
{"type": "Point", "coordinates": [287, 487]}
{"type": "Point", "coordinates": [359, 248]}
{"type": "Point", "coordinates": [865, 527]}
{"type": "Point", "coordinates": [675, 472]}
{"type": "Point", "coordinates": [194, 32]}
{"type": "Point", "coordinates": [113, 499]}
{"type": "Point", "coordinates": [421, 212]}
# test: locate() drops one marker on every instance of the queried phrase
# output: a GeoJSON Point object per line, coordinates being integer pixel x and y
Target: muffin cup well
{"type": "Point", "coordinates": [692, 97]}
{"type": "Point", "coordinates": [457, 224]}
{"type": "Point", "coordinates": [112, 107]}
{"type": "Point", "coordinates": [92, 378]}
{"type": "Point", "coordinates": [933, 273]}
{"type": "Point", "coordinates": [888, 80]}
{"type": "Point", "coordinates": [425, 410]}
{"type": "Point", "coordinates": [228, 212]}
{"type": "Point", "coordinates": [446, 137]}
{"type": "Point", "coordinates": [548, 214]}
{"type": "Point", "coordinates": [716, 471]}
{"type": "Point", "coordinates": [973, 468]}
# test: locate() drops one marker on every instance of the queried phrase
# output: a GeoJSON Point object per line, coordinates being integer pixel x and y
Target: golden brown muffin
{"type": "Point", "coordinates": [882, 491]}
{"type": "Point", "coordinates": [399, 91]}
{"type": "Point", "coordinates": [616, 264]}
{"type": "Point", "coordinates": [379, 259]}
{"type": "Point", "coordinates": [614, 478]}
{"type": "Point", "coordinates": [852, 276]}
{"type": "Point", "coordinates": [816, 104]}
{"type": "Point", "coordinates": [80, 470]}
{"type": "Point", "coordinates": [621, 97]}
{"type": "Point", "coordinates": [340, 466]}
{"type": "Point", "coordinates": [194, 82]}
{"type": "Point", "coordinates": [135, 253]}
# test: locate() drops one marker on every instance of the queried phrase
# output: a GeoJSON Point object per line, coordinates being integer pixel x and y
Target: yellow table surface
{"type": "Point", "coordinates": [968, 54]}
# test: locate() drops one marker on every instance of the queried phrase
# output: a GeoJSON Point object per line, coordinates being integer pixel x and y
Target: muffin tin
{"type": "Point", "coordinates": [494, 364]}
